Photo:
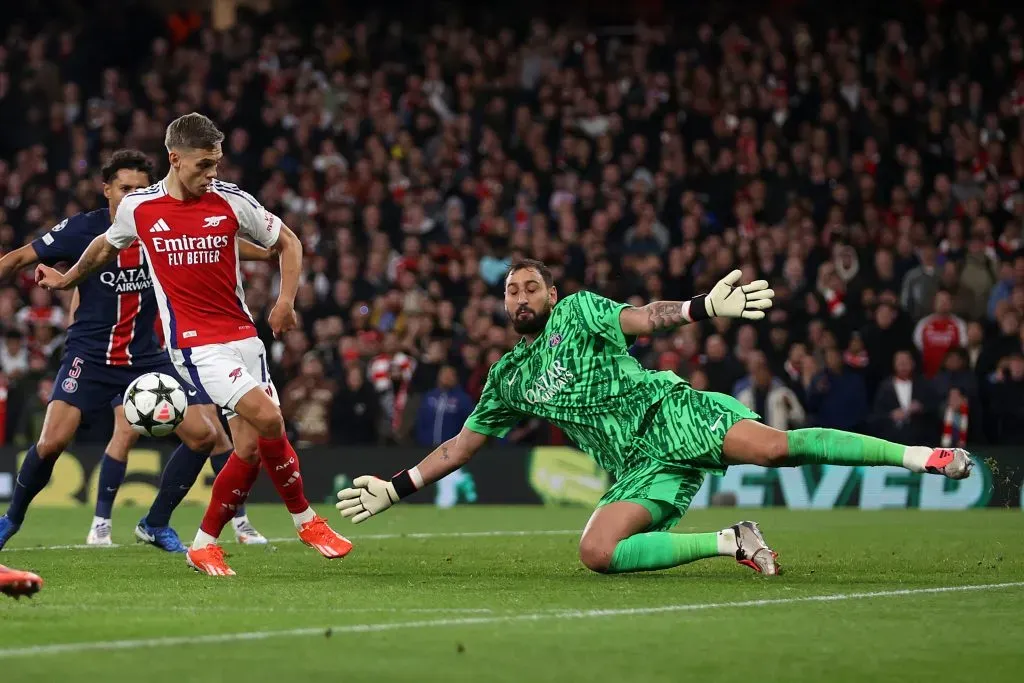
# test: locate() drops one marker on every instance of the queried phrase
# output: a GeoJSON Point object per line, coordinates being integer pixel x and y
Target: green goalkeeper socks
{"type": "Point", "coordinates": [833, 447]}
{"type": "Point", "coordinates": [661, 550]}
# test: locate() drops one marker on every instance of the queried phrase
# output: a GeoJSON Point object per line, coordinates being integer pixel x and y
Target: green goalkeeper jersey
{"type": "Point", "coordinates": [578, 375]}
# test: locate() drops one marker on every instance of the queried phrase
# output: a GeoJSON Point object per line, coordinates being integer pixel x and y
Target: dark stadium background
{"type": "Point", "coordinates": [366, 385]}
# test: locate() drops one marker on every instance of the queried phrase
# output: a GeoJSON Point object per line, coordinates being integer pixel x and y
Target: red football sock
{"type": "Point", "coordinates": [230, 489]}
{"type": "Point", "coordinates": [282, 465]}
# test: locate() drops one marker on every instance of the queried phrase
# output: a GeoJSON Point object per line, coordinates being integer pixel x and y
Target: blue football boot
{"type": "Point", "coordinates": [163, 537]}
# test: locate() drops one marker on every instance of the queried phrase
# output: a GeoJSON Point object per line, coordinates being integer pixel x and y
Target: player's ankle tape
{"type": "Point", "coordinates": [696, 309]}
{"type": "Point", "coordinates": [403, 484]}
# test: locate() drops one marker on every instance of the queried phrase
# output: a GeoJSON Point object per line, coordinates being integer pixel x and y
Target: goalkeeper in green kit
{"type": "Point", "coordinates": [655, 434]}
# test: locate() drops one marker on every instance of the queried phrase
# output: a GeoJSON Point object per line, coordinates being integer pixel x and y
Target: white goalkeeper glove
{"type": "Point", "coordinates": [726, 300]}
{"type": "Point", "coordinates": [367, 497]}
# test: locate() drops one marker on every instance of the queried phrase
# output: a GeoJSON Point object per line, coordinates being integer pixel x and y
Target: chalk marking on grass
{"type": "Point", "coordinates": [367, 537]}
{"type": "Point", "coordinates": [135, 644]}
{"type": "Point", "coordinates": [203, 609]}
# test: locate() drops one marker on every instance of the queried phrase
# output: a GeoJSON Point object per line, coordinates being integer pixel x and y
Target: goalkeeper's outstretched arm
{"type": "Point", "coordinates": [727, 299]}
{"type": "Point", "coordinates": [369, 495]}
{"type": "Point", "coordinates": [449, 456]}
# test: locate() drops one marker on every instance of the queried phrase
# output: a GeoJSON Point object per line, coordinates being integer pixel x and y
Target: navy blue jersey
{"type": "Point", "coordinates": [115, 323]}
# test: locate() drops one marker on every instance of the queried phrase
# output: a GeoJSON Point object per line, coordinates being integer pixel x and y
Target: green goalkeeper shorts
{"type": "Point", "coordinates": [678, 443]}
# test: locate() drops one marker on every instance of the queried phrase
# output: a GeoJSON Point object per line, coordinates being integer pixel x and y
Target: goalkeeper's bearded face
{"type": "Point", "coordinates": [528, 301]}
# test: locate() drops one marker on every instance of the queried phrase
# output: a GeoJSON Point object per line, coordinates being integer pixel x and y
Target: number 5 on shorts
{"type": "Point", "coordinates": [76, 368]}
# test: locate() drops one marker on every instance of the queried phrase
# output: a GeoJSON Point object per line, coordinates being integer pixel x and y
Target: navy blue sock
{"type": "Point", "coordinates": [32, 478]}
{"type": "Point", "coordinates": [179, 475]}
{"type": "Point", "coordinates": [217, 462]}
{"type": "Point", "coordinates": [111, 478]}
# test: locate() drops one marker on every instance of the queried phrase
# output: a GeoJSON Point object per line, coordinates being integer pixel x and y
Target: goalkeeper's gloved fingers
{"type": "Point", "coordinates": [757, 286]}
{"type": "Point", "coordinates": [350, 493]}
{"type": "Point", "coordinates": [732, 278]}
{"type": "Point", "coordinates": [348, 503]}
{"type": "Point", "coordinates": [362, 517]}
{"type": "Point", "coordinates": [363, 481]}
{"type": "Point", "coordinates": [754, 309]}
{"type": "Point", "coordinates": [352, 511]}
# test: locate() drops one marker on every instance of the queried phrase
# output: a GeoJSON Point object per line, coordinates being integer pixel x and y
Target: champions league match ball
{"type": "Point", "coordinates": [155, 404]}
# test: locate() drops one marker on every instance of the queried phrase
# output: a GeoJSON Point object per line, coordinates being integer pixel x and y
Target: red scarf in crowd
{"type": "Point", "coordinates": [834, 302]}
{"type": "Point", "coordinates": [954, 427]}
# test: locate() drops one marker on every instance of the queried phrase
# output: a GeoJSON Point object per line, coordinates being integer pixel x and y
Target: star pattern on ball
{"type": "Point", "coordinates": [162, 393]}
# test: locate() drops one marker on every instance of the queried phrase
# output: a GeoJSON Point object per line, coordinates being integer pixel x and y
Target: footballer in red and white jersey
{"type": "Point", "coordinates": [188, 225]}
{"type": "Point", "coordinates": [192, 249]}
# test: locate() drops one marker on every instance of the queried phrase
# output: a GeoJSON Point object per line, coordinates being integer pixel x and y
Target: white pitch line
{"type": "Point", "coordinates": [205, 609]}
{"type": "Point", "coordinates": [368, 537]}
{"type": "Point", "coordinates": [65, 648]}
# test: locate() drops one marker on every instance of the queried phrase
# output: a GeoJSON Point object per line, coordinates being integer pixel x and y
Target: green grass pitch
{"type": "Point", "coordinates": [458, 595]}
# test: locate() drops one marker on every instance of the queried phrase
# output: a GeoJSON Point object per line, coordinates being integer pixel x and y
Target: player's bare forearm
{"type": "Point", "coordinates": [450, 456]}
{"type": "Point", "coordinates": [656, 316]}
{"type": "Point", "coordinates": [369, 495]}
{"type": "Point", "coordinates": [247, 251]}
{"type": "Point", "coordinates": [99, 253]}
{"type": "Point", "coordinates": [727, 299]}
{"type": "Point", "coordinates": [289, 249]}
{"type": "Point", "coordinates": [283, 317]}
{"type": "Point", "coordinates": [17, 261]}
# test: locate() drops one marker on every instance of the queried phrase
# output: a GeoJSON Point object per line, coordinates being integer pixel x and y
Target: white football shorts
{"type": "Point", "coordinates": [226, 372]}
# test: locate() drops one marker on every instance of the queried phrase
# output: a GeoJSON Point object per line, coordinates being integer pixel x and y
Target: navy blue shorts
{"type": "Point", "coordinates": [89, 385]}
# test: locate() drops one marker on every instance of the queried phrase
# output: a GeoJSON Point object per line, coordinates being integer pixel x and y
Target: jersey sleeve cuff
{"type": "Point", "coordinates": [621, 336]}
{"type": "Point", "coordinates": [275, 226]}
{"type": "Point", "coordinates": [113, 241]}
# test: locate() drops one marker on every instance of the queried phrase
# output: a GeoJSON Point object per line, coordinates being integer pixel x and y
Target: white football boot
{"type": "Point", "coordinates": [99, 533]}
{"type": "Point", "coordinates": [245, 532]}
{"type": "Point", "coordinates": [752, 551]}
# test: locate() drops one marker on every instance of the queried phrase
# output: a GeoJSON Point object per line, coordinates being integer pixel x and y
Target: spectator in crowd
{"type": "Point", "coordinates": [1011, 275]}
{"type": "Point", "coordinates": [769, 397]}
{"type": "Point", "coordinates": [1007, 398]}
{"type": "Point", "coordinates": [1004, 342]}
{"type": "Point", "coordinates": [42, 308]}
{"type": "Point", "coordinates": [956, 387]}
{"type": "Point", "coordinates": [699, 380]}
{"type": "Point", "coordinates": [977, 277]}
{"type": "Point", "coordinates": [961, 298]}
{"type": "Point", "coordinates": [975, 344]}
{"type": "Point", "coordinates": [905, 409]}
{"type": "Point", "coordinates": [14, 354]}
{"type": "Point", "coordinates": [306, 403]}
{"type": "Point", "coordinates": [939, 332]}
{"type": "Point", "coordinates": [921, 284]}
{"type": "Point", "coordinates": [441, 415]}
{"type": "Point", "coordinates": [835, 395]}
{"type": "Point", "coordinates": [30, 422]}
{"type": "Point", "coordinates": [443, 410]}
{"type": "Point", "coordinates": [355, 412]}
{"type": "Point", "coordinates": [720, 366]}
{"type": "Point", "coordinates": [424, 377]}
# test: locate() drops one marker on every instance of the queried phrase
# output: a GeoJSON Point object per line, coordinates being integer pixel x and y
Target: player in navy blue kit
{"type": "Point", "coordinates": [111, 342]}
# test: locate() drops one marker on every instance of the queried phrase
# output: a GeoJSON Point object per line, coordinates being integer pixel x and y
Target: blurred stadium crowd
{"type": "Point", "coordinates": [869, 171]}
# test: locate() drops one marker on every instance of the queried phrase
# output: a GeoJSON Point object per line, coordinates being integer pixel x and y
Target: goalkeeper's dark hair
{"type": "Point", "coordinates": [532, 264]}
{"type": "Point", "coordinates": [127, 159]}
